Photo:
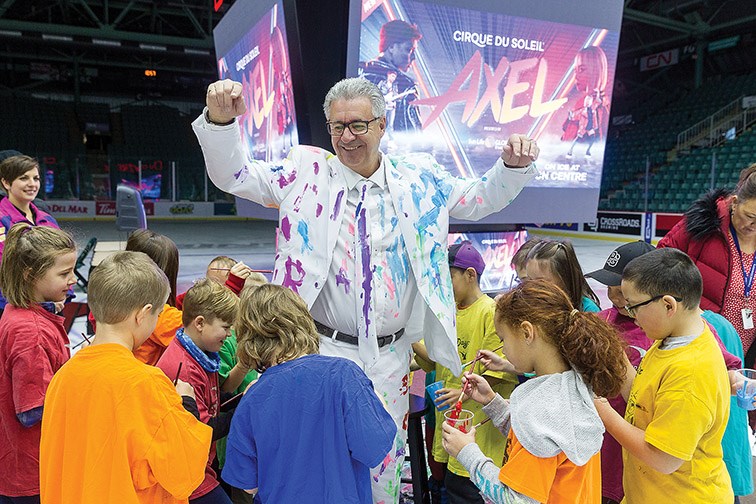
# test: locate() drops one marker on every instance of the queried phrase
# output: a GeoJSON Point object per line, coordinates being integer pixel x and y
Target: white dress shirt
{"type": "Point", "coordinates": [393, 284]}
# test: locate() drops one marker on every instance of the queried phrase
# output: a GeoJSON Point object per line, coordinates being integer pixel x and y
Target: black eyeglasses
{"type": "Point", "coordinates": [630, 309]}
{"type": "Point", "coordinates": [356, 127]}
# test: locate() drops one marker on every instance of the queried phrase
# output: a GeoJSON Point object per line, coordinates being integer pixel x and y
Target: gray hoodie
{"type": "Point", "coordinates": [549, 414]}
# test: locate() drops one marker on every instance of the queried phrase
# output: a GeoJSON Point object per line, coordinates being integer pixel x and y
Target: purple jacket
{"type": "Point", "coordinates": [10, 215]}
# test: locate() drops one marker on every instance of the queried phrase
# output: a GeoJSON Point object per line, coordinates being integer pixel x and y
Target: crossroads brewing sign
{"type": "Point", "coordinates": [616, 223]}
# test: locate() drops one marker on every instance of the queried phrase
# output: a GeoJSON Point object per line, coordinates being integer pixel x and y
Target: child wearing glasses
{"type": "Point", "coordinates": [678, 401]}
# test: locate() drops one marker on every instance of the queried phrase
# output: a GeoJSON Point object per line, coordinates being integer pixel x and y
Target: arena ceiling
{"type": "Point", "coordinates": [104, 46]}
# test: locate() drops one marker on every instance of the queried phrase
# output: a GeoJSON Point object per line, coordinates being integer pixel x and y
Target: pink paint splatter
{"type": "Point", "coordinates": [286, 228]}
{"type": "Point", "coordinates": [382, 469]}
{"type": "Point", "coordinates": [390, 286]}
{"type": "Point", "coordinates": [318, 210]}
{"type": "Point", "coordinates": [316, 167]}
{"type": "Point", "coordinates": [479, 200]}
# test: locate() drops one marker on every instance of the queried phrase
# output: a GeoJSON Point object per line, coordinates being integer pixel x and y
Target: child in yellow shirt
{"type": "Point", "coordinates": [678, 402]}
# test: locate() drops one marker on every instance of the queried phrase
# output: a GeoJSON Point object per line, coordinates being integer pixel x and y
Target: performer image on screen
{"type": "Point", "coordinates": [588, 122]}
{"type": "Point", "coordinates": [389, 90]}
{"type": "Point", "coordinates": [363, 238]}
{"type": "Point", "coordinates": [396, 46]}
{"type": "Point", "coordinates": [588, 113]}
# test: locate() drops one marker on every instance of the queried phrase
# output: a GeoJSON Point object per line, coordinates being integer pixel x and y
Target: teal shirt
{"type": "Point", "coordinates": [737, 452]}
{"type": "Point", "coordinates": [589, 305]}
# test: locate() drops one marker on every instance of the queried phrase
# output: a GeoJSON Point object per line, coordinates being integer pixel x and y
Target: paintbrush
{"type": "Point", "coordinates": [232, 399]}
{"type": "Point", "coordinates": [481, 423]}
{"type": "Point", "coordinates": [252, 270]}
{"type": "Point", "coordinates": [175, 380]}
{"type": "Point", "coordinates": [480, 356]}
{"type": "Point", "coordinates": [85, 340]}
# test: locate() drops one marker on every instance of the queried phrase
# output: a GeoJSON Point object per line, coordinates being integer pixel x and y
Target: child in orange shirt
{"type": "Point", "coordinates": [164, 252]}
{"type": "Point", "coordinates": [36, 273]}
{"type": "Point", "coordinates": [554, 432]}
{"type": "Point", "coordinates": [113, 429]}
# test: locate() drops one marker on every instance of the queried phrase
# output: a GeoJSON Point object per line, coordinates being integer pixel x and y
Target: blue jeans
{"type": "Point", "coordinates": [217, 496]}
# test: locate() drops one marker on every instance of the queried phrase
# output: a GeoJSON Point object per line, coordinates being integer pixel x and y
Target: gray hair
{"type": "Point", "coordinates": [354, 88]}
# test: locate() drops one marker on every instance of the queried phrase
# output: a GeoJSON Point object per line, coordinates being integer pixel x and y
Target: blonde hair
{"type": "Point", "coordinates": [210, 300]}
{"type": "Point", "coordinates": [123, 283]}
{"type": "Point", "coordinates": [273, 326]}
{"type": "Point", "coordinates": [254, 280]}
{"type": "Point", "coordinates": [30, 251]}
{"type": "Point", "coordinates": [223, 262]}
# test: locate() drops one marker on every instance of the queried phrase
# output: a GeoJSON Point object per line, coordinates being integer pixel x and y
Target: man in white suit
{"type": "Point", "coordinates": [363, 236]}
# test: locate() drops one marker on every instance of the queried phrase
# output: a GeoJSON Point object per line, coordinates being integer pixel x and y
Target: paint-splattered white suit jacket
{"type": "Point", "coordinates": [309, 190]}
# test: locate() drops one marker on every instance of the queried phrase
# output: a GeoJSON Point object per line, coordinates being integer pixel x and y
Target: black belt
{"type": "Point", "coordinates": [329, 332]}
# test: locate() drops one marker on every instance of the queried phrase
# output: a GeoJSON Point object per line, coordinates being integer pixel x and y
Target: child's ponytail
{"type": "Point", "coordinates": [28, 253]}
{"type": "Point", "coordinates": [588, 343]}
{"type": "Point", "coordinates": [594, 349]}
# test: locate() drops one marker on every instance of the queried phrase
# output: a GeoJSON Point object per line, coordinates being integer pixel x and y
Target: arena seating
{"type": "Point", "coordinates": [676, 179]}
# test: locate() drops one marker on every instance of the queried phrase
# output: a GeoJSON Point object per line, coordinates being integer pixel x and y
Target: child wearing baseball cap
{"type": "Point", "coordinates": [475, 332]}
{"type": "Point", "coordinates": [637, 344]}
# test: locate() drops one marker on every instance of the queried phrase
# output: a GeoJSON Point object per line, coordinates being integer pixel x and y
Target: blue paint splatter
{"type": "Point", "coordinates": [382, 210]}
{"type": "Point", "coordinates": [303, 231]}
{"type": "Point", "coordinates": [438, 260]}
{"type": "Point", "coordinates": [430, 218]}
{"type": "Point", "coordinates": [398, 262]}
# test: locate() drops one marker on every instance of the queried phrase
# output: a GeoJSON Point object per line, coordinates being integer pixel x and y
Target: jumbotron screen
{"type": "Point", "coordinates": [252, 48]}
{"type": "Point", "coordinates": [460, 76]}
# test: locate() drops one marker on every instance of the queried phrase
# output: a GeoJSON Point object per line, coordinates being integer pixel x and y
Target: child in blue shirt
{"type": "Point", "coordinates": [311, 427]}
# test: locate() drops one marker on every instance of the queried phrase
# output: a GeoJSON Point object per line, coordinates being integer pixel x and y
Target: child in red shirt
{"type": "Point", "coordinates": [37, 271]}
{"type": "Point", "coordinates": [209, 311]}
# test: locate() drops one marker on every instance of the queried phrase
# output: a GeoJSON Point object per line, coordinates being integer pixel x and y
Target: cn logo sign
{"type": "Point", "coordinates": [658, 60]}
{"type": "Point", "coordinates": [217, 4]}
